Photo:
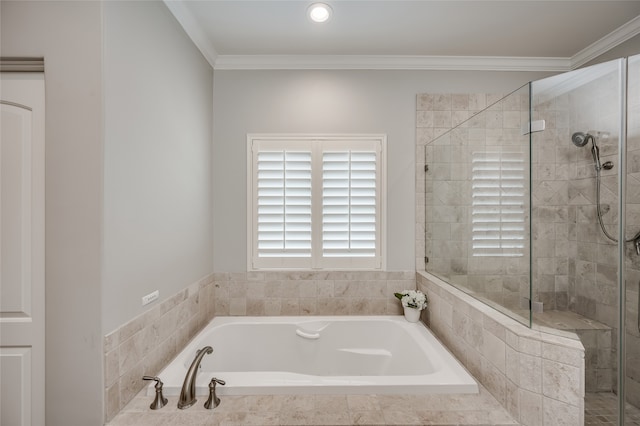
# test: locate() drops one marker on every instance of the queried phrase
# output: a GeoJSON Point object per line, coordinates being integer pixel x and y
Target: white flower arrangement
{"type": "Point", "coordinates": [412, 299]}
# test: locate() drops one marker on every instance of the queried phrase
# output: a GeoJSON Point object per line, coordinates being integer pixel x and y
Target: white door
{"type": "Point", "coordinates": [22, 249]}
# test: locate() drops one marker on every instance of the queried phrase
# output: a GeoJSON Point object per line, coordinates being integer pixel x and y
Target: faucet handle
{"type": "Point", "coordinates": [160, 401]}
{"type": "Point", "coordinates": [213, 400]}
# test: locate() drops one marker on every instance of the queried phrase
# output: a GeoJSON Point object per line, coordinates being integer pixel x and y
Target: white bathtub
{"type": "Point", "coordinates": [319, 355]}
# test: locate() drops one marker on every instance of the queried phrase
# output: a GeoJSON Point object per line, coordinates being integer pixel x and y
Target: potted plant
{"type": "Point", "coordinates": [413, 302]}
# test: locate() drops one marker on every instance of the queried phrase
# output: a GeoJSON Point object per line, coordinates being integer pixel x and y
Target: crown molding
{"type": "Point", "coordinates": [394, 62]}
{"type": "Point", "coordinates": [193, 29]}
{"type": "Point", "coordinates": [389, 62]}
{"type": "Point", "coordinates": [606, 43]}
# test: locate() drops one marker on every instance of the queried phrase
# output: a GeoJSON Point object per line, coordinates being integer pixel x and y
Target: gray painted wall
{"type": "Point", "coordinates": [157, 159]}
{"type": "Point", "coordinates": [128, 176]}
{"type": "Point", "coordinates": [328, 102]}
{"type": "Point", "coordinates": [68, 35]}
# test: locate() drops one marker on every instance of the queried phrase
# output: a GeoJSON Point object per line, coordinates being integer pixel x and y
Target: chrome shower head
{"type": "Point", "coordinates": [580, 139]}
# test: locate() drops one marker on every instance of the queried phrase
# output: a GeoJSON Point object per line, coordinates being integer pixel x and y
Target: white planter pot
{"type": "Point", "coordinates": [412, 314]}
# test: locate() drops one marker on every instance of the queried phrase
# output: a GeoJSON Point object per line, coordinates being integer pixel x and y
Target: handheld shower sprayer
{"type": "Point", "coordinates": [580, 139]}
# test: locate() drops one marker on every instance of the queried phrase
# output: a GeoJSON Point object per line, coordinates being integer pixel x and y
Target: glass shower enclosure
{"type": "Point", "coordinates": [532, 205]}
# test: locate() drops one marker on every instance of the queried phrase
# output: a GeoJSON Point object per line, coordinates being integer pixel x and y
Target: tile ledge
{"type": "Point", "coordinates": [568, 339]}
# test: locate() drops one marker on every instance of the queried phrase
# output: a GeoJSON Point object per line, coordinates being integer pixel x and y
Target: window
{"type": "Point", "coordinates": [316, 202]}
{"type": "Point", "coordinates": [497, 213]}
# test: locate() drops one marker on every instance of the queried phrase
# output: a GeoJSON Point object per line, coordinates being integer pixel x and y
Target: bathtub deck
{"type": "Point", "coordinates": [458, 409]}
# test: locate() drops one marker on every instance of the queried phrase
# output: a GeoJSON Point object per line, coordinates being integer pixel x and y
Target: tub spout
{"type": "Point", "coordinates": [188, 393]}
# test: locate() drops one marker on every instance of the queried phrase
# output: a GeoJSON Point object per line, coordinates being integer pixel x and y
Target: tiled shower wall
{"type": "Point", "coordinates": [479, 122]}
{"type": "Point", "coordinates": [633, 224]}
{"type": "Point", "coordinates": [588, 259]}
{"type": "Point", "coordinates": [574, 266]}
{"type": "Point", "coordinates": [566, 240]}
{"type": "Point", "coordinates": [147, 343]}
{"type": "Point", "coordinates": [577, 266]}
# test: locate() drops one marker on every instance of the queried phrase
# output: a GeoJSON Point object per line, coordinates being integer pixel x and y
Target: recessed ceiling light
{"type": "Point", "coordinates": [319, 12]}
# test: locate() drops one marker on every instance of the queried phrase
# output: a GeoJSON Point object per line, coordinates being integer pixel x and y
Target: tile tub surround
{"type": "Point", "coordinates": [147, 343]}
{"type": "Point", "coordinates": [310, 293]}
{"type": "Point", "coordinates": [455, 409]}
{"type": "Point", "coordinates": [144, 345]}
{"type": "Point", "coordinates": [538, 377]}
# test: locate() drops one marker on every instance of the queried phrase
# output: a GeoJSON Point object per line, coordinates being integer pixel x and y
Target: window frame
{"type": "Point", "coordinates": [317, 261]}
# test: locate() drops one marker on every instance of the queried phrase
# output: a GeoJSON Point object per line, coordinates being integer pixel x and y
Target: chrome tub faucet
{"type": "Point", "coordinates": [188, 393]}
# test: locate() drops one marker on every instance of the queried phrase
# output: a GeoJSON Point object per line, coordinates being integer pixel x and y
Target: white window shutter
{"type": "Point", "coordinates": [284, 204]}
{"type": "Point", "coordinates": [349, 204]}
{"type": "Point", "coordinates": [498, 209]}
{"type": "Point", "coordinates": [315, 202]}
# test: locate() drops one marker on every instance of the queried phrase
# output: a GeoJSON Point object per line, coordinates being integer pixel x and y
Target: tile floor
{"type": "Point", "coordinates": [600, 409]}
{"type": "Point", "coordinates": [458, 409]}
{"type": "Point", "coordinates": [480, 409]}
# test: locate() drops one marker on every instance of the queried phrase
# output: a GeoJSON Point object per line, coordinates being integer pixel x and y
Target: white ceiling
{"type": "Point", "coordinates": [424, 34]}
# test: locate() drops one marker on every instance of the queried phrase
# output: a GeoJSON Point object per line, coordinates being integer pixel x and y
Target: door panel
{"type": "Point", "coordinates": [22, 287]}
{"type": "Point", "coordinates": [15, 218]}
{"type": "Point", "coordinates": [15, 389]}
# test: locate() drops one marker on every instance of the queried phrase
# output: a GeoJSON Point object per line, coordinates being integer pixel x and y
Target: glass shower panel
{"type": "Point", "coordinates": [570, 253]}
{"type": "Point", "coordinates": [631, 376]}
{"type": "Point", "coordinates": [575, 205]}
{"type": "Point", "coordinates": [477, 199]}
{"type": "Point", "coordinates": [522, 204]}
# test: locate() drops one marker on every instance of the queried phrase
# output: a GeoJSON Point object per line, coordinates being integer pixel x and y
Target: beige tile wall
{"type": "Point", "coordinates": [147, 343]}
{"type": "Point", "coordinates": [555, 162]}
{"type": "Point", "coordinates": [538, 377]}
{"type": "Point", "coordinates": [144, 345]}
{"type": "Point", "coordinates": [310, 293]}
{"type": "Point", "coordinates": [582, 265]}
{"type": "Point", "coordinates": [574, 267]}
{"type": "Point", "coordinates": [533, 376]}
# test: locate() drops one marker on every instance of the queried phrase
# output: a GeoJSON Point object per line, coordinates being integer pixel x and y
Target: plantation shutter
{"type": "Point", "coordinates": [349, 204]}
{"type": "Point", "coordinates": [315, 203]}
{"type": "Point", "coordinates": [498, 206]}
{"type": "Point", "coordinates": [284, 204]}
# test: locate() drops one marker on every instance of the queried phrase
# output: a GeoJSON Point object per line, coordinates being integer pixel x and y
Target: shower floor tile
{"type": "Point", "coordinates": [600, 409]}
